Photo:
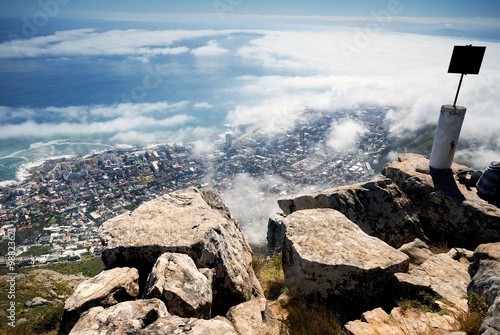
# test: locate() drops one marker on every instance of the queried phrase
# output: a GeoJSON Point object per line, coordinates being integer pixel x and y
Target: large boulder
{"type": "Point", "coordinates": [194, 222]}
{"type": "Point", "coordinates": [448, 210]}
{"type": "Point", "coordinates": [439, 275]}
{"type": "Point", "coordinates": [485, 272]}
{"type": "Point", "coordinates": [177, 282]}
{"type": "Point", "coordinates": [378, 207]}
{"type": "Point", "coordinates": [124, 318]}
{"type": "Point", "coordinates": [328, 257]}
{"type": "Point", "coordinates": [106, 289]}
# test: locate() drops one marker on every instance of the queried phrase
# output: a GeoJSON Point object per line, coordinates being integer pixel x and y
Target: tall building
{"type": "Point", "coordinates": [229, 141]}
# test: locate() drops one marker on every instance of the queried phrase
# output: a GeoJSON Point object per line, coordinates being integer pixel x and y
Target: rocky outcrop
{"type": "Point", "coordinates": [124, 318]}
{"type": "Point", "coordinates": [448, 211]}
{"type": "Point", "coordinates": [106, 289]}
{"type": "Point", "coordinates": [325, 256]}
{"type": "Point", "coordinates": [440, 276]}
{"type": "Point", "coordinates": [177, 325]}
{"type": "Point", "coordinates": [485, 273]}
{"type": "Point", "coordinates": [192, 222]}
{"type": "Point", "coordinates": [442, 281]}
{"type": "Point", "coordinates": [178, 283]}
{"type": "Point", "coordinates": [338, 246]}
{"type": "Point", "coordinates": [401, 322]}
{"type": "Point", "coordinates": [378, 207]}
{"type": "Point", "coordinates": [426, 206]}
{"type": "Point", "coordinates": [185, 255]}
{"type": "Point", "coordinates": [417, 250]}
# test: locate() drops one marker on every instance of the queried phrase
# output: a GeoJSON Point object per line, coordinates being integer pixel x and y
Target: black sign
{"type": "Point", "coordinates": [466, 59]}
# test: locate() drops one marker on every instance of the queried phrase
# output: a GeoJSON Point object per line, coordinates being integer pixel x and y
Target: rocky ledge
{"type": "Point", "coordinates": [364, 247]}
{"type": "Point", "coordinates": [177, 264]}
{"type": "Point", "coordinates": [180, 264]}
{"type": "Point", "coordinates": [448, 211]}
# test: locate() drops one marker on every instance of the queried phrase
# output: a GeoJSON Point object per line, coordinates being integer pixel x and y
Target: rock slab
{"type": "Point", "coordinates": [377, 322]}
{"type": "Point", "coordinates": [325, 256]}
{"type": "Point", "coordinates": [448, 211]}
{"type": "Point", "coordinates": [124, 318]}
{"type": "Point", "coordinates": [378, 207]}
{"type": "Point", "coordinates": [441, 275]}
{"type": "Point", "coordinates": [189, 326]}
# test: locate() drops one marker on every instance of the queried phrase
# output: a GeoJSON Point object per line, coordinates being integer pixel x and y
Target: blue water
{"type": "Point", "coordinates": [42, 94]}
{"type": "Point", "coordinates": [30, 87]}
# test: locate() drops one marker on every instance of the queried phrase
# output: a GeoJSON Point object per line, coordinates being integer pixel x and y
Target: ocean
{"type": "Point", "coordinates": [75, 86]}
{"type": "Point", "coordinates": [42, 95]}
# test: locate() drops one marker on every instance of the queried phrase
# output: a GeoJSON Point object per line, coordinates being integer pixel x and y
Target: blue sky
{"type": "Point", "coordinates": [410, 8]}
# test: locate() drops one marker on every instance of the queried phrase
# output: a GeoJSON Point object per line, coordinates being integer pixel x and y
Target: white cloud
{"type": "Point", "coordinates": [251, 203]}
{"type": "Point", "coordinates": [85, 120]}
{"type": "Point", "coordinates": [90, 42]}
{"type": "Point", "coordinates": [343, 137]}
{"type": "Point", "coordinates": [210, 50]}
{"type": "Point", "coordinates": [202, 105]}
{"type": "Point", "coordinates": [201, 147]}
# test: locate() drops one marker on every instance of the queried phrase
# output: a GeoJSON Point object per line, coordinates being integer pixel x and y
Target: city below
{"type": "Point", "coordinates": [64, 201]}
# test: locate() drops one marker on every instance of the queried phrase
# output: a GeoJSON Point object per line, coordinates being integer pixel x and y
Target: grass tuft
{"type": "Point", "coordinates": [305, 318]}
{"type": "Point", "coordinates": [269, 271]}
{"type": "Point", "coordinates": [470, 322]}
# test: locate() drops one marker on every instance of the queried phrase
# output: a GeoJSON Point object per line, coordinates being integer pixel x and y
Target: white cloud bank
{"type": "Point", "coordinates": [326, 68]}
{"type": "Point", "coordinates": [90, 42]}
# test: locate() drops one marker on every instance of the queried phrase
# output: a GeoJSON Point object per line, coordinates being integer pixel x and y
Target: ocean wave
{"type": "Point", "coordinates": [44, 144]}
{"type": "Point", "coordinates": [8, 183]}
{"type": "Point", "coordinates": [23, 172]}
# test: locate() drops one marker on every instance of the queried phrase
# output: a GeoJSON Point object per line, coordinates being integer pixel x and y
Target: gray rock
{"type": "Point", "coordinates": [327, 256]}
{"type": "Point", "coordinates": [36, 302]}
{"type": "Point", "coordinates": [275, 233]}
{"type": "Point", "coordinates": [177, 325]}
{"type": "Point", "coordinates": [485, 273]}
{"type": "Point", "coordinates": [193, 222]}
{"type": "Point", "coordinates": [418, 251]}
{"type": "Point", "coordinates": [378, 207]}
{"type": "Point", "coordinates": [177, 282]}
{"type": "Point", "coordinates": [440, 275]}
{"type": "Point", "coordinates": [106, 289]}
{"type": "Point", "coordinates": [448, 211]}
{"type": "Point", "coordinates": [491, 326]}
{"type": "Point", "coordinates": [124, 318]}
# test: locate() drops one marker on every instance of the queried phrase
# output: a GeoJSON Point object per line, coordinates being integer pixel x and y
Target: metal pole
{"type": "Point", "coordinates": [458, 90]}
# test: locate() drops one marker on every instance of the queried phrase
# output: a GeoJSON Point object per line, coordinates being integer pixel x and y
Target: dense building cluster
{"type": "Point", "coordinates": [70, 198]}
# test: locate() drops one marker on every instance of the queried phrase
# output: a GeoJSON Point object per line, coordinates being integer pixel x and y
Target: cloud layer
{"type": "Point", "coordinates": [274, 74]}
